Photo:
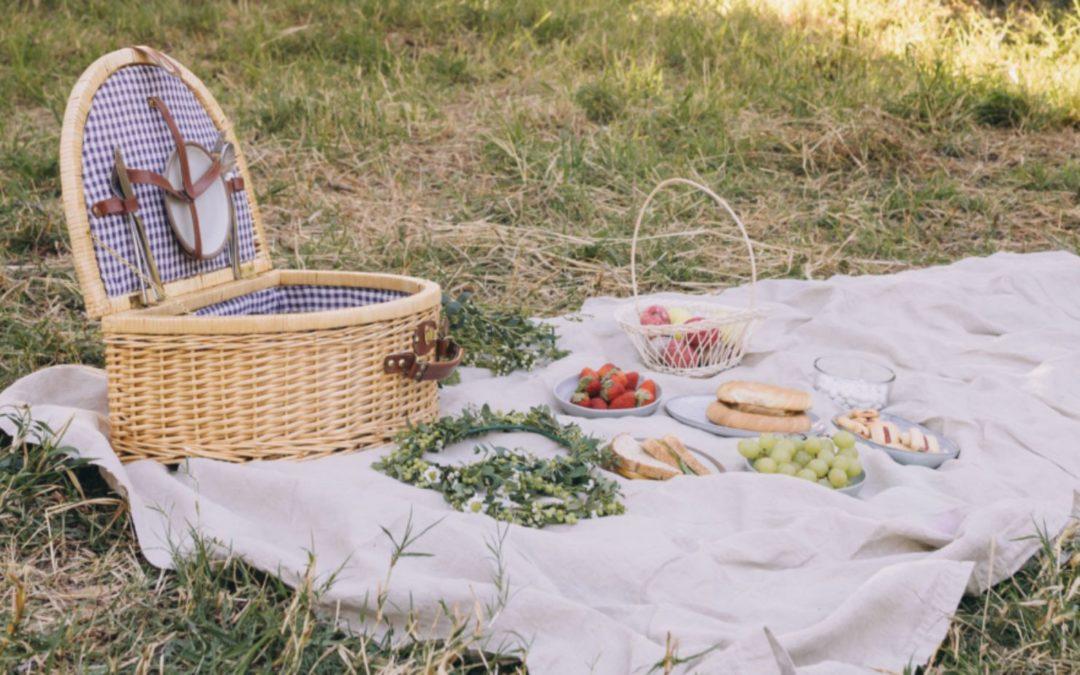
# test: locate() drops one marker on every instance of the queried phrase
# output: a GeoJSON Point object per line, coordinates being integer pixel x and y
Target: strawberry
{"type": "Point", "coordinates": [643, 397]}
{"type": "Point", "coordinates": [610, 389]}
{"type": "Point", "coordinates": [623, 400]}
{"type": "Point", "coordinates": [620, 377]}
{"type": "Point", "coordinates": [648, 386]}
{"type": "Point", "coordinates": [588, 372]}
{"type": "Point", "coordinates": [598, 403]}
{"type": "Point", "coordinates": [605, 369]}
{"type": "Point", "coordinates": [590, 385]}
{"type": "Point", "coordinates": [631, 380]}
{"type": "Point", "coordinates": [580, 398]}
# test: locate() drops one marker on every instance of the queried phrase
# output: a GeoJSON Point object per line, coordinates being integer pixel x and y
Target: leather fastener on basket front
{"type": "Point", "coordinates": [426, 340]}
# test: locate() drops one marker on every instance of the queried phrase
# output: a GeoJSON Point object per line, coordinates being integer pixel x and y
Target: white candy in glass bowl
{"type": "Point", "coordinates": [853, 382]}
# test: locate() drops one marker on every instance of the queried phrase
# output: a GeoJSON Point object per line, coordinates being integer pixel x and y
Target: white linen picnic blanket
{"type": "Point", "coordinates": [987, 352]}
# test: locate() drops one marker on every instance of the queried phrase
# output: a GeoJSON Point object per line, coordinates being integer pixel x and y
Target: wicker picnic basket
{"type": "Point", "coordinates": [232, 362]}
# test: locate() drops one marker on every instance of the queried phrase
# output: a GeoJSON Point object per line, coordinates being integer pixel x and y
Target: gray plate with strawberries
{"type": "Point", "coordinates": [565, 389]}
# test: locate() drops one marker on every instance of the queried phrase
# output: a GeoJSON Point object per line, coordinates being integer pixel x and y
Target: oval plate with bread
{"type": "Point", "coordinates": [945, 449]}
{"type": "Point", "coordinates": [746, 409]}
{"type": "Point", "coordinates": [659, 458]}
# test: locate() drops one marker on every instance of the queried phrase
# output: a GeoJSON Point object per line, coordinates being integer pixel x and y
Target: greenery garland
{"type": "Point", "coordinates": [497, 339]}
{"type": "Point", "coordinates": [511, 485]}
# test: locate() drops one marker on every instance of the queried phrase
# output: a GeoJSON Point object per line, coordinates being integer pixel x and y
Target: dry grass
{"type": "Point", "coordinates": [504, 147]}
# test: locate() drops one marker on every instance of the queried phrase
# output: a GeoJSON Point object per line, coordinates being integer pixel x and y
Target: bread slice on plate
{"type": "Point", "coordinates": [671, 451]}
{"type": "Point", "coordinates": [631, 457]}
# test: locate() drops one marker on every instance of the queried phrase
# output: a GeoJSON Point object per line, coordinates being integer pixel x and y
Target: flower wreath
{"type": "Point", "coordinates": [511, 485]}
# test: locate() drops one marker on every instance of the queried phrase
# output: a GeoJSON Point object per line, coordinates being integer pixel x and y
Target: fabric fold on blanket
{"type": "Point", "coordinates": [987, 352]}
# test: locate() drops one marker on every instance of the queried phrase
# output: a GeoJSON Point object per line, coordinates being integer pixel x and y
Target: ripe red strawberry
{"type": "Point", "coordinates": [590, 385]}
{"type": "Point", "coordinates": [605, 369]}
{"type": "Point", "coordinates": [611, 389]}
{"type": "Point", "coordinates": [649, 386]}
{"type": "Point", "coordinates": [620, 377]}
{"type": "Point", "coordinates": [631, 380]}
{"type": "Point", "coordinates": [598, 403]}
{"type": "Point", "coordinates": [580, 398]}
{"type": "Point", "coordinates": [588, 372]}
{"type": "Point", "coordinates": [623, 400]}
{"type": "Point", "coordinates": [643, 397]}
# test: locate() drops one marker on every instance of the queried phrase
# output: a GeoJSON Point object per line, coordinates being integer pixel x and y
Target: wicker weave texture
{"type": "Point", "coordinates": [294, 395]}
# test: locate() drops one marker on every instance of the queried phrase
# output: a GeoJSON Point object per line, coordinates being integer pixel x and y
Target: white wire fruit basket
{"type": "Point", "coordinates": [713, 338]}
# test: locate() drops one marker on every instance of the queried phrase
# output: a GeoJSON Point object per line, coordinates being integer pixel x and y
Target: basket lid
{"type": "Point", "coordinates": [109, 109]}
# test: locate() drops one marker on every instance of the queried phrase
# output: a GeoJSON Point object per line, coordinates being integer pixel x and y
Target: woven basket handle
{"type": "Point", "coordinates": [159, 59]}
{"type": "Point", "coordinates": [720, 202]}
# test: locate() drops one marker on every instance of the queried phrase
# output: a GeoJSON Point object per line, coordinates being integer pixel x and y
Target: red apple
{"type": "Point", "coordinates": [679, 354]}
{"type": "Point", "coordinates": [702, 340]}
{"type": "Point", "coordinates": [654, 315]}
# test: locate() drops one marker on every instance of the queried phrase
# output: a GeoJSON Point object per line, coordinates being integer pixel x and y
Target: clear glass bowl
{"type": "Point", "coordinates": [853, 382]}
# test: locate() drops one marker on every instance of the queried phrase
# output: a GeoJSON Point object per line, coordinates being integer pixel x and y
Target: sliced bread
{"type": "Point", "coordinates": [630, 456]}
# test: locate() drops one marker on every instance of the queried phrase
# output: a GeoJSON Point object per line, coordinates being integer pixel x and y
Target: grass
{"type": "Point", "coordinates": [503, 148]}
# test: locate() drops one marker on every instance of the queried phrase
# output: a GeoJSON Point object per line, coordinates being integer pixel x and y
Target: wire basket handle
{"type": "Point", "coordinates": [720, 202]}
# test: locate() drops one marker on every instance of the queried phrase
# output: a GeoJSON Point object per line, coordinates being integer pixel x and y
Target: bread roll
{"type": "Point", "coordinates": [725, 416]}
{"type": "Point", "coordinates": [742, 393]}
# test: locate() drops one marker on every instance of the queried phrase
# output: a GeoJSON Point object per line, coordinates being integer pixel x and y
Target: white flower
{"type": "Point", "coordinates": [594, 514]}
{"type": "Point", "coordinates": [475, 504]}
{"type": "Point", "coordinates": [590, 485]}
{"type": "Point", "coordinates": [431, 474]}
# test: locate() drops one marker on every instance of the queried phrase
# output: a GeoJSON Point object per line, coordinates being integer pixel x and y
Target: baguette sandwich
{"type": "Point", "coordinates": [754, 406]}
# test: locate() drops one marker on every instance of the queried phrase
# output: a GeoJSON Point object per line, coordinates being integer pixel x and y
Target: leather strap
{"type": "Point", "coordinates": [114, 206]}
{"type": "Point", "coordinates": [146, 177]}
{"type": "Point", "coordinates": [235, 184]}
{"type": "Point", "coordinates": [185, 168]}
{"type": "Point", "coordinates": [447, 356]}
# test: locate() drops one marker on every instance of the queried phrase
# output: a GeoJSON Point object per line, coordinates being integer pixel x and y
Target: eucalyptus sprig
{"type": "Point", "coordinates": [511, 485]}
{"type": "Point", "coordinates": [500, 340]}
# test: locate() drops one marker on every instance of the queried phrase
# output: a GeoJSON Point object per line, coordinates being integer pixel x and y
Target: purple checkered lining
{"type": "Point", "coordinates": [120, 116]}
{"type": "Point", "coordinates": [299, 299]}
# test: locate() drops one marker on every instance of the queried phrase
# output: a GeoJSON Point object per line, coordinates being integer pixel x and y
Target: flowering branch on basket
{"type": "Point", "coordinates": [497, 339]}
{"type": "Point", "coordinates": [511, 485]}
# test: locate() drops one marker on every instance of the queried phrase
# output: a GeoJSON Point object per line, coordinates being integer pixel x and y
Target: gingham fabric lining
{"type": "Point", "coordinates": [299, 299]}
{"type": "Point", "coordinates": [120, 116]}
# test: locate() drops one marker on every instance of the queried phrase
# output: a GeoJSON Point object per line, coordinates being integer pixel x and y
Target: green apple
{"type": "Point", "coordinates": [679, 315]}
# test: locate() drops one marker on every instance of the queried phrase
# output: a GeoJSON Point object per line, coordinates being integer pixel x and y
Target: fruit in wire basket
{"type": "Point", "coordinates": [655, 315]}
{"type": "Point", "coordinates": [813, 459]}
{"type": "Point", "coordinates": [679, 354]}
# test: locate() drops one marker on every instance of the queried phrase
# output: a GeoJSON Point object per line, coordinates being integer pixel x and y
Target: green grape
{"type": "Point", "coordinates": [750, 448]}
{"type": "Point", "coordinates": [802, 457]}
{"type": "Point", "coordinates": [854, 468]}
{"type": "Point", "coordinates": [827, 454]}
{"type": "Point", "coordinates": [825, 482]}
{"type": "Point", "coordinates": [806, 474]}
{"type": "Point", "coordinates": [799, 442]}
{"type": "Point", "coordinates": [813, 446]}
{"type": "Point", "coordinates": [849, 452]}
{"type": "Point", "coordinates": [841, 463]}
{"type": "Point", "coordinates": [767, 441]}
{"type": "Point", "coordinates": [844, 439]}
{"type": "Point", "coordinates": [819, 467]}
{"type": "Point", "coordinates": [783, 451]}
{"type": "Point", "coordinates": [788, 469]}
{"type": "Point", "coordinates": [765, 465]}
{"type": "Point", "coordinates": [838, 478]}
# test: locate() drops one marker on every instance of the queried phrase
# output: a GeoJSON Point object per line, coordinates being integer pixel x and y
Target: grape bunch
{"type": "Point", "coordinates": [832, 462]}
